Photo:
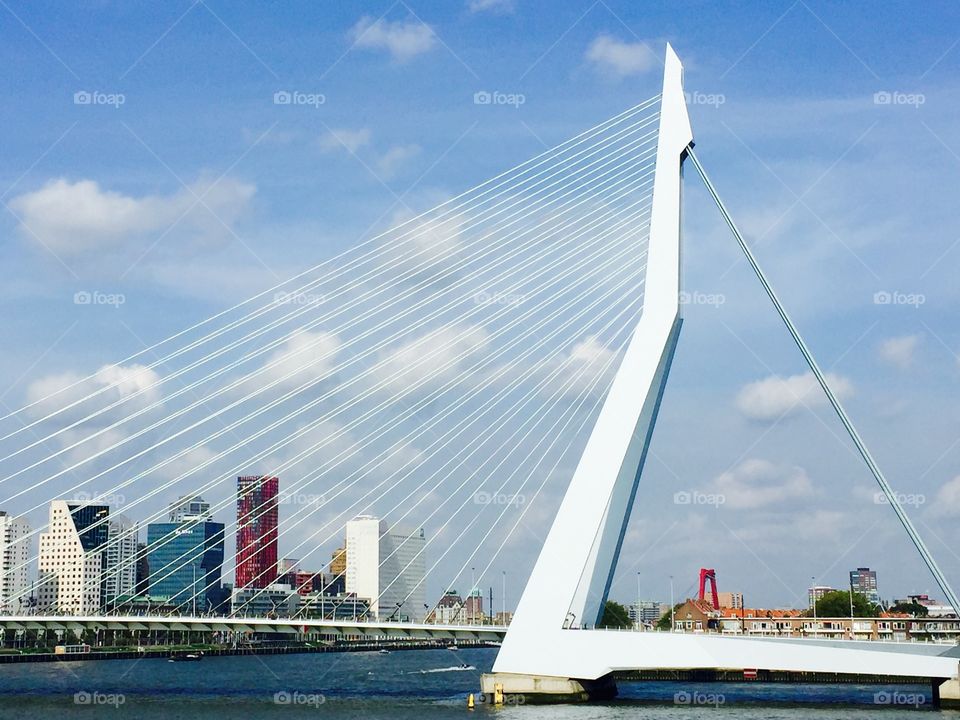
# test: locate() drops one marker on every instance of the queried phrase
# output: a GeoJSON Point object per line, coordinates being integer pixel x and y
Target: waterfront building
{"type": "Point", "coordinates": [120, 559]}
{"type": "Point", "coordinates": [644, 613]}
{"type": "Point", "coordinates": [273, 601]}
{"type": "Point", "coordinates": [387, 568]}
{"type": "Point", "coordinates": [816, 592]}
{"type": "Point", "coordinates": [473, 608]}
{"type": "Point", "coordinates": [257, 518]}
{"type": "Point", "coordinates": [143, 570]}
{"type": "Point", "coordinates": [864, 581]}
{"type": "Point", "coordinates": [345, 606]}
{"type": "Point", "coordinates": [449, 609]}
{"type": "Point", "coordinates": [71, 558]}
{"type": "Point", "coordinates": [336, 582]}
{"type": "Point", "coordinates": [730, 600]}
{"type": "Point", "coordinates": [14, 563]}
{"type": "Point", "coordinates": [186, 560]}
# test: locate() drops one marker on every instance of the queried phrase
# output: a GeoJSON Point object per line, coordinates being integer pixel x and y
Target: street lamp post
{"type": "Point", "coordinates": [672, 618]}
{"type": "Point", "coordinates": [637, 612]}
{"type": "Point", "coordinates": [813, 595]}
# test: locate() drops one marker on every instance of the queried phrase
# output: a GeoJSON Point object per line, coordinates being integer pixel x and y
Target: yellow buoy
{"type": "Point", "coordinates": [470, 701]}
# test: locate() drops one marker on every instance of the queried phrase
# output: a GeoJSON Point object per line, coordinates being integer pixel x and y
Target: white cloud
{"type": "Point", "coordinates": [495, 6]}
{"type": "Point", "coordinates": [619, 58]}
{"type": "Point", "coordinates": [757, 483]}
{"type": "Point", "coordinates": [432, 359]}
{"type": "Point", "coordinates": [344, 138]}
{"type": "Point", "coordinates": [423, 252]}
{"type": "Point", "coordinates": [948, 499]}
{"type": "Point", "coordinates": [775, 397]}
{"type": "Point", "coordinates": [588, 364]}
{"type": "Point", "coordinates": [73, 218]}
{"type": "Point", "coordinates": [306, 356]}
{"type": "Point", "coordinates": [393, 160]}
{"type": "Point", "coordinates": [899, 351]}
{"type": "Point", "coordinates": [403, 39]}
{"type": "Point", "coordinates": [55, 392]}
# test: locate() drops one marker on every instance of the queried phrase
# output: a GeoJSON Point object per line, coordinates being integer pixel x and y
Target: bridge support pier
{"type": "Point", "coordinates": [514, 688]}
{"type": "Point", "coordinates": [946, 693]}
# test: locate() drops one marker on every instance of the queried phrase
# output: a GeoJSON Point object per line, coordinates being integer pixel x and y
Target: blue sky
{"type": "Point", "coordinates": [845, 196]}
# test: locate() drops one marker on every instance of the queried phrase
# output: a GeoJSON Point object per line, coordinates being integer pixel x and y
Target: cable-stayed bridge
{"type": "Point", "coordinates": [431, 376]}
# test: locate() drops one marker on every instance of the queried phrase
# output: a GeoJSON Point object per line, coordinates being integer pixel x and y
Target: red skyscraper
{"type": "Point", "coordinates": [257, 530]}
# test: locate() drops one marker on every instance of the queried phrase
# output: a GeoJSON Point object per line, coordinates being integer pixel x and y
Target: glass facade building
{"type": "Point", "coordinates": [257, 516]}
{"type": "Point", "coordinates": [185, 563]}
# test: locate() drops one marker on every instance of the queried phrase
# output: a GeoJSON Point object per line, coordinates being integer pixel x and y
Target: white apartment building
{"type": "Point", "coordinates": [14, 563]}
{"type": "Point", "coordinates": [120, 577]}
{"type": "Point", "coordinates": [71, 559]}
{"type": "Point", "coordinates": [386, 568]}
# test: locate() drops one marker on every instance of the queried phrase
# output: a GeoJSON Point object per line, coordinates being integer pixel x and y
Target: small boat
{"type": "Point", "coordinates": [452, 647]}
{"type": "Point", "coordinates": [186, 656]}
{"type": "Point", "coordinates": [384, 651]}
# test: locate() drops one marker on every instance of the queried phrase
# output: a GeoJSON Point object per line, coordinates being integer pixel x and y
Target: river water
{"type": "Point", "coordinates": [415, 685]}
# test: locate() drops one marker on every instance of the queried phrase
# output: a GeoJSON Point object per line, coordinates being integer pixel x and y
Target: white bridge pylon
{"type": "Point", "coordinates": [551, 639]}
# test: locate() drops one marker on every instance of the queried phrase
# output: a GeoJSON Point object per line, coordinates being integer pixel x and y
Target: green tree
{"type": "Point", "coordinates": [836, 604]}
{"type": "Point", "coordinates": [912, 608]}
{"type": "Point", "coordinates": [664, 622]}
{"type": "Point", "coordinates": [615, 615]}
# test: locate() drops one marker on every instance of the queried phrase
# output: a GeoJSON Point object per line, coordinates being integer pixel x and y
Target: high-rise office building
{"type": "Point", "coordinates": [864, 581]}
{"type": "Point", "coordinates": [189, 507]}
{"type": "Point", "coordinates": [733, 600]}
{"type": "Point", "coordinates": [14, 563]}
{"type": "Point", "coordinates": [120, 560]}
{"type": "Point", "coordinates": [71, 558]}
{"type": "Point", "coordinates": [257, 516]}
{"type": "Point", "coordinates": [186, 560]}
{"type": "Point", "coordinates": [336, 581]}
{"type": "Point", "coordinates": [386, 568]}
